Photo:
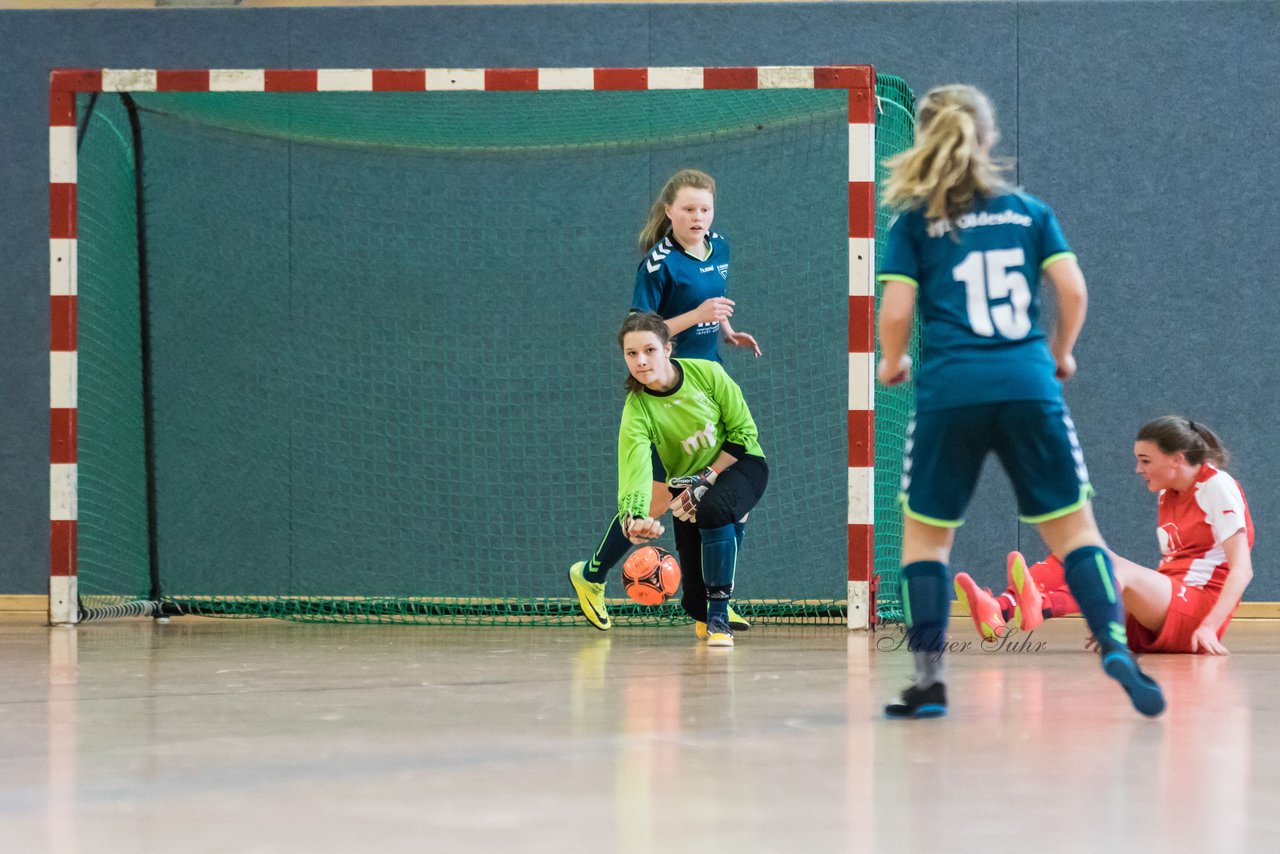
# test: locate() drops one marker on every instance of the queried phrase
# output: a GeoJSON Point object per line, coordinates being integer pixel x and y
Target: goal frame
{"type": "Point", "coordinates": [65, 84]}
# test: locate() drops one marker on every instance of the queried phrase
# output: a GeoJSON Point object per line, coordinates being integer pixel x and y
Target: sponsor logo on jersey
{"type": "Point", "coordinates": [696, 397]}
{"type": "Point", "coordinates": [939, 227]}
{"type": "Point", "coordinates": [704, 438]}
{"type": "Point", "coordinates": [723, 270]}
{"type": "Point", "coordinates": [1170, 539]}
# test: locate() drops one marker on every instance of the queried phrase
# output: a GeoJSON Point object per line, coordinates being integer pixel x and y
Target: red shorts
{"type": "Point", "coordinates": [1187, 609]}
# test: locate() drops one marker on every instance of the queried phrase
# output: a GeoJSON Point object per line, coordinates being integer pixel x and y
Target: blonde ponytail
{"type": "Point", "coordinates": [950, 162]}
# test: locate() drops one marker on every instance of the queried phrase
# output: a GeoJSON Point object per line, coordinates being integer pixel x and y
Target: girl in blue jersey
{"type": "Point", "coordinates": [971, 252]}
{"type": "Point", "coordinates": [681, 278]}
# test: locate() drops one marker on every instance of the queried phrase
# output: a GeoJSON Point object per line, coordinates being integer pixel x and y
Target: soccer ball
{"type": "Point", "coordinates": [651, 575]}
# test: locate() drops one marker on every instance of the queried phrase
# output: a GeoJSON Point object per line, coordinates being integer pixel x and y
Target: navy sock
{"type": "Point", "coordinates": [1093, 584]}
{"type": "Point", "coordinates": [926, 603]}
{"type": "Point", "coordinates": [719, 560]}
{"type": "Point", "coordinates": [739, 534]}
{"type": "Point", "coordinates": [608, 553]}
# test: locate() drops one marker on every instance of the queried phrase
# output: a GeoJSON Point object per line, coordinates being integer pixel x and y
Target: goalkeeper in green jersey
{"type": "Point", "coordinates": [694, 416]}
{"type": "Point", "coordinates": [681, 277]}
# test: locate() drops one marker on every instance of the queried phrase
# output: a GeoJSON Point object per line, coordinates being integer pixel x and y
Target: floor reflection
{"type": "Point", "coordinates": [288, 735]}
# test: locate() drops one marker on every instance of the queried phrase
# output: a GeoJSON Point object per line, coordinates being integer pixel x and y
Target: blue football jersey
{"type": "Point", "coordinates": [670, 282]}
{"type": "Point", "coordinates": [978, 293]}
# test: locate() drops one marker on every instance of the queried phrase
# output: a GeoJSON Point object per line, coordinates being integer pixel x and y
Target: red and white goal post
{"type": "Point", "coordinates": [65, 84]}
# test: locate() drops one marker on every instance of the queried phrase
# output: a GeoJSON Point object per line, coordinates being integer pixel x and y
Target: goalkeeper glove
{"type": "Point", "coordinates": [685, 505]}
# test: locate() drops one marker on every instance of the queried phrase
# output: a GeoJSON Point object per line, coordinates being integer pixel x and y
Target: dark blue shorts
{"type": "Point", "coordinates": [1034, 440]}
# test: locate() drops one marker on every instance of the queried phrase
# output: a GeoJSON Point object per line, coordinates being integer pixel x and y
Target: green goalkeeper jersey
{"type": "Point", "coordinates": [689, 425]}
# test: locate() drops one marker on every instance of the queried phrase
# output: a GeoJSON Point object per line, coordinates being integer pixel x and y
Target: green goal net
{"type": "Point", "coordinates": [370, 337]}
{"type": "Point", "coordinates": [895, 132]}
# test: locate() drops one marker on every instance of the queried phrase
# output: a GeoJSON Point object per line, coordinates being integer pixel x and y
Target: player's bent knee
{"type": "Point", "coordinates": [716, 510]}
{"type": "Point", "coordinates": [1072, 531]}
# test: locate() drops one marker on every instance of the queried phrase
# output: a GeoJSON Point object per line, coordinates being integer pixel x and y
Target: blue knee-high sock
{"type": "Point", "coordinates": [739, 533]}
{"type": "Point", "coordinates": [611, 549]}
{"type": "Point", "coordinates": [926, 604]}
{"type": "Point", "coordinates": [719, 560]}
{"type": "Point", "coordinates": [1093, 584]}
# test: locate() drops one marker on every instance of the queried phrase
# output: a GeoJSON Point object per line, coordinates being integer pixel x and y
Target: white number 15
{"type": "Point", "coordinates": [987, 277]}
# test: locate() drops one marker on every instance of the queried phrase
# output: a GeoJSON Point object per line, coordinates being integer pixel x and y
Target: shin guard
{"type": "Point", "coordinates": [926, 603]}
{"type": "Point", "coordinates": [1093, 584]}
{"type": "Point", "coordinates": [719, 560]}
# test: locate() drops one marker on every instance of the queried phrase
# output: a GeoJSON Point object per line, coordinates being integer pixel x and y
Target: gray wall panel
{"type": "Point", "coordinates": [1144, 125]}
{"type": "Point", "coordinates": [32, 43]}
{"type": "Point", "coordinates": [519, 36]}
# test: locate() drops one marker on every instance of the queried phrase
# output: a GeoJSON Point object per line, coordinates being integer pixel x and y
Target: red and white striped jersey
{"type": "Point", "coordinates": [1193, 525]}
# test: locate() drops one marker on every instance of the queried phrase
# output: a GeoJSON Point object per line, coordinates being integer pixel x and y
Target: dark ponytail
{"type": "Point", "coordinates": [1174, 434]}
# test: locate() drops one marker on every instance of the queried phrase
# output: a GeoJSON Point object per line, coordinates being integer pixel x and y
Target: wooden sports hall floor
{"type": "Point", "coordinates": [265, 736]}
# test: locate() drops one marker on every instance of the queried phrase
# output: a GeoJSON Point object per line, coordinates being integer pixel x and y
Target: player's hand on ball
{"type": "Point", "coordinates": [641, 530]}
{"type": "Point", "coordinates": [891, 375]}
{"type": "Point", "coordinates": [685, 505]}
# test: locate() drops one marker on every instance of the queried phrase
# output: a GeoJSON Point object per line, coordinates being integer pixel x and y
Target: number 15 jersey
{"type": "Point", "coordinates": [978, 292]}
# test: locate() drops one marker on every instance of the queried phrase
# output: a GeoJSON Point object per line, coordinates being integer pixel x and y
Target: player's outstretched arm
{"type": "Point", "coordinates": [1073, 303]}
{"type": "Point", "coordinates": [1240, 561]}
{"type": "Point", "coordinates": [897, 310]}
{"type": "Point", "coordinates": [738, 339]}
